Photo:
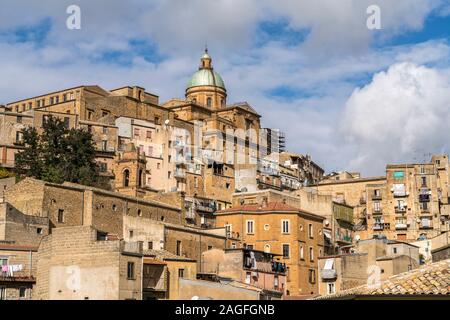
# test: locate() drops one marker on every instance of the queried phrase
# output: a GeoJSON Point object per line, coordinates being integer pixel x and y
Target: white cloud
{"type": "Point", "coordinates": [401, 115]}
{"type": "Point", "coordinates": [323, 69]}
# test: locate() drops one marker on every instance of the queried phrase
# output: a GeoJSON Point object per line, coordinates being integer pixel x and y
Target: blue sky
{"type": "Point", "coordinates": [311, 68]}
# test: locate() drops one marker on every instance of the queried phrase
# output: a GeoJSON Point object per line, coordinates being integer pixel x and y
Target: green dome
{"type": "Point", "coordinates": [206, 77]}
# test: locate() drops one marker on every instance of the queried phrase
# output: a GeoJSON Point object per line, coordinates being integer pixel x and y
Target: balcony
{"type": "Point", "coordinates": [328, 274]}
{"type": "Point", "coordinates": [377, 212]}
{"type": "Point", "coordinates": [179, 174]}
{"type": "Point", "coordinates": [401, 226]}
{"type": "Point", "coordinates": [343, 238]}
{"type": "Point", "coordinates": [400, 194]}
{"type": "Point", "coordinates": [400, 209]}
{"type": "Point", "coordinates": [179, 144]}
{"type": "Point", "coordinates": [362, 201]}
{"type": "Point", "coordinates": [378, 226]}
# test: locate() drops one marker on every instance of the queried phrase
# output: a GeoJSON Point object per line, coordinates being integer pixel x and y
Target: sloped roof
{"type": "Point", "coordinates": [271, 206]}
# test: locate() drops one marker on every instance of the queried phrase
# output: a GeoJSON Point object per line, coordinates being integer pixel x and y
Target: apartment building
{"type": "Point", "coordinates": [275, 227]}
{"type": "Point", "coordinates": [409, 203]}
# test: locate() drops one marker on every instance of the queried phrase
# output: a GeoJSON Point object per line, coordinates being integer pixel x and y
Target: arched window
{"type": "Point", "coordinates": [140, 178]}
{"type": "Point", "coordinates": [126, 178]}
{"type": "Point", "coordinates": [209, 102]}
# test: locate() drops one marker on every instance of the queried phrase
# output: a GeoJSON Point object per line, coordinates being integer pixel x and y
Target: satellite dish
{"type": "Point", "coordinates": [166, 122]}
{"type": "Point", "coordinates": [327, 222]}
{"type": "Point", "coordinates": [357, 237]}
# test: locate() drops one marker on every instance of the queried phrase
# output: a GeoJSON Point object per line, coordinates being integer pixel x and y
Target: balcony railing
{"type": "Point", "coordinates": [179, 174]}
{"type": "Point", "coordinates": [400, 209]}
{"type": "Point", "coordinates": [328, 274]}
{"type": "Point", "coordinates": [376, 197]}
{"type": "Point", "coordinates": [401, 226]}
{"type": "Point", "coordinates": [377, 212]}
{"type": "Point", "coordinates": [378, 226]}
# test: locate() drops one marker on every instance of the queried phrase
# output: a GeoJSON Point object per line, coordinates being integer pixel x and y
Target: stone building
{"type": "Point", "coordinates": [163, 272]}
{"type": "Point", "coordinates": [275, 227]}
{"type": "Point", "coordinates": [370, 261]}
{"type": "Point", "coordinates": [80, 263]}
{"type": "Point", "coordinates": [20, 236]}
{"type": "Point", "coordinates": [18, 270]}
{"type": "Point", "coordinates": [338, 227]}
{"type": "Point", "coordinates": [157, 225]}
{"type": "Point", "coordinates": [410, 203]}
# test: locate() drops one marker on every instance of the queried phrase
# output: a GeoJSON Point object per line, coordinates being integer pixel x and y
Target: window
{"type": "Point", "coordinates": [179, 248]}
{"type": "Point", "coordinates": [267, 248]}
{"type": "Point", "coordinates": [104, 145]}
{"type": "Point", "coordinates": [395, 250]}
{"type": "Point", "coordinates": [424, 206]}
{"type": "Point", "coordinates": [140, 176]}
{"type": "Point", "coordinates": [19, 137]}
{"type": "Point", "coordinates": [22, 293]}
{"type": "Point", "coordinates": [302, 252]}
{"type": "Point", "coordinates": [60, 216]}
{"type": "Point", "coordinates": [180, 273]}
{"type": "Point", "coordinates": [311, 254]}
{"type": "Point", "coordinates": [285, 226]}
{"type": "Point", "coordinates": [158, 166]}
{"type": "Point", "coordinates": [19, 119]}
{"type": "Point", "coordinates": [248, 277]}
{"type": "Point", "coordinates": [275, 282]}
{"type": "Point", "coordinates": [157, 120]}
{"type": "Point", "coordinates": [139, 213]}
{"type": "Point", "coordinates": [39, 230]}
{"type": "Point", "coordinates": [424, 181]}
{"type": "Point", "coordinates": [376, 207]}
{"type": "Point", "coordinates": [250, 226]}
{"type": "Point", "coordinates": [149, 134]}
{"type": "Point", "coordinates": [195, 182]}
{"type": "Point", "coordinates": [310, 231]}
{"type": "Point", "coordinates": [130, 270]}
{"type": "Point", "coordinates": [286, 251]}
{"type": "Point", "coordinates": [150, 151]}
{"type": "Point", "coordinates": [398, 174]}
{"type": "Point", "coordinates": [229, 230]}
{"type": "Point", "coordinates": [126, 178]}
{"type": "Point", "coordinates": [331, 289]}
{"type": "Point", "coordinates": [65, 97]}
{"type": "Point", "coordinates": [210, 248]}
{"type": "Point", "coordinates": [131, 234]}
{"type": "Point", "coordinates": [266, 227]}
{"type": "Point", "coordinates": [136, 133]}
{"type": "Point", "coordinates": [150, 245]}
{"type": "Point", "coordinates": [312, 276]}
{"type": "Point", "coordinates": [103, 167]}
{"type": "Point", "coordinates": [376, 192]}
{"type": "Point", "coordinates": [233, 245]}
{"type": "Point", "coordinates": [209, 102]}
{"type": "Point", "coordinates": [2, 293]}
{"type": "Point", "coordinates": [105, 130]}
{"type": "Point", "coordinates": [66, 122]}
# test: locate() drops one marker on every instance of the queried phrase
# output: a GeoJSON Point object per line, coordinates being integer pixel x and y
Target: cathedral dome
{"type": "Point", "coordinates": [206, 76]}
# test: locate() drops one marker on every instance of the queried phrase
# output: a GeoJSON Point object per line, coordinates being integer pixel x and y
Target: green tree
{"type": "Point", "coordinates": [5, 173]}
{"type": "Point", "coordinates": [59, 154]}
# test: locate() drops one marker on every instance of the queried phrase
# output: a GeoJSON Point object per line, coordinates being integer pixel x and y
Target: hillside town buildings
{"type": "Point", "coordinates": [200, 201]}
